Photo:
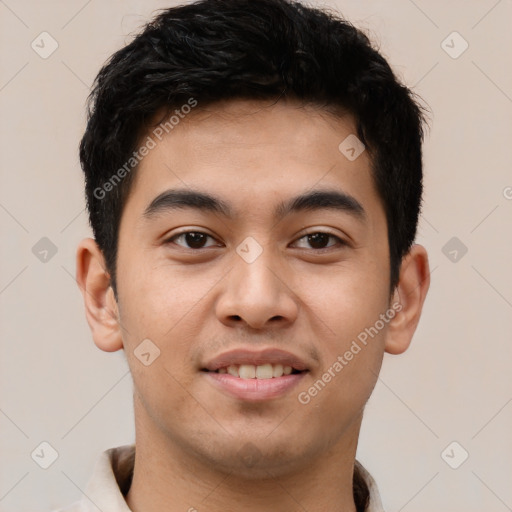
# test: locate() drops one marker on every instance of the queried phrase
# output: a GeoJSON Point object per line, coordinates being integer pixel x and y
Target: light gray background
{"type": "Point", "coordinates": [454, 384]}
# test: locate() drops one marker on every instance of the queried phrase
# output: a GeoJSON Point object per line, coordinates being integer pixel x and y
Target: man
{"type": "Point", "coordinates": [253, 179]}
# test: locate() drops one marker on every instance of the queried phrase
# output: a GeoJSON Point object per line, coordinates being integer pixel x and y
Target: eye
{"type": "Point", "coordinates": [197, 240]}
{"type": "Point", "coordinates": [319, 240]}
{"type": "Point", "coordinates": [194, 239]}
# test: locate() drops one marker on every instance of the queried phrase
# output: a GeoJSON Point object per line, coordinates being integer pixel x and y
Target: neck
{"type": "Point", "coordinates": [169, 478]}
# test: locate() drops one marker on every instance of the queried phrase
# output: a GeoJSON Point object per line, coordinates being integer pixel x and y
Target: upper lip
{"type": "Point", "coordinates": [255, 357]}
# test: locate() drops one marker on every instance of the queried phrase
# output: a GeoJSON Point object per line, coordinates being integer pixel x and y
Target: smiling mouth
{"type": "Point", "coordinates": [251, 371]}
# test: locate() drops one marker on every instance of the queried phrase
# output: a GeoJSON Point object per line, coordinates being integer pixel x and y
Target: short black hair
{"type": "Point", "coordinates": [213, 50]}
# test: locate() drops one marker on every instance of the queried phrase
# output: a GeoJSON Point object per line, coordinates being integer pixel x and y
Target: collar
{"type": "Point", "coordinates": [112, 478]}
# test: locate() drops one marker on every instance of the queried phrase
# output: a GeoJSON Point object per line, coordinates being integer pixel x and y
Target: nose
{"type": "Point", "coordinates": [258, 294]}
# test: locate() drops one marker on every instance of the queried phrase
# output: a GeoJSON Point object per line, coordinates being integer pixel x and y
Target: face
{"type": "Point", "coordinates": [230, 276]}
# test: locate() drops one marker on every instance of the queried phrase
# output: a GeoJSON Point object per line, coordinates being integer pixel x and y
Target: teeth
{"type": "Point", "coordinates": [251, 371]}
{"type": "Point", "coordinates": [277, 370]}
{"type": "Point", "coordinates": [247, 371]}
{"type": "Point", "coordinates": [264, 371]}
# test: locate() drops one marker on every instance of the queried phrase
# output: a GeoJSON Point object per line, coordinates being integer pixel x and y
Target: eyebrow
{"type": "Point", "coordinates": [325, 199]}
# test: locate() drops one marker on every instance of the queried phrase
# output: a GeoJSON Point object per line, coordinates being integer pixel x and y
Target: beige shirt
{"type": "Point", "coordinates": [112, 478]}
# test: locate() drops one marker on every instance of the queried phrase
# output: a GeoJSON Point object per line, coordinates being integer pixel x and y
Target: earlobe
{"type": "Point", "coordinates": [100, 304]}
{"type": "Point", "coordinates": [408, 299]}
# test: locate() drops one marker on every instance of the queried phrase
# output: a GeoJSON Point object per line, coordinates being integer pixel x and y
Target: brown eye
{"type": "Point", "coordinates": [192, 239]}
{"type": "Point", "coordinates": [320, 240]}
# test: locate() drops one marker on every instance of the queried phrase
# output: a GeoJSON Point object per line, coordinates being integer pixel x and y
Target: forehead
{"type": "Point", "coordinates": [252, 155]}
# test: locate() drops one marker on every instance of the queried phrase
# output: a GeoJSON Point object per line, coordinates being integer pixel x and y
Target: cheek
{"type": "Point", "coordinates": [350, 334]}
{"type": "Point", "coordinates": [345, 299]}
{"type": "Point", "coordinates": [157, 304]}
{"type": "Point", "coordinates": [157, 299]}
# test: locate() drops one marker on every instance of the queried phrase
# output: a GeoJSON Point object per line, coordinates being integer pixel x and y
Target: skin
{"type": "Point", "coordinates": [190, 437]}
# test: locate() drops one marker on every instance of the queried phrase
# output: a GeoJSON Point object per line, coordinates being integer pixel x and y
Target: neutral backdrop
{"type": "Point", "coordinates": [453, 385]}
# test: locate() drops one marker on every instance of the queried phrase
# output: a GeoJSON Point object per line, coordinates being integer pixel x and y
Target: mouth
{"type": "Point", "coordinates": [255, 376]}
{"type": "Point", "coordinates": [251, 371]}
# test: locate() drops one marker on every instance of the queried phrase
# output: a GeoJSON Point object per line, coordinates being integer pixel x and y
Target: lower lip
{"type": "Point", "coordinates": [254, 389]}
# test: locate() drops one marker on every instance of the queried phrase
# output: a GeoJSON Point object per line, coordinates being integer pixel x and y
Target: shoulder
{"type": "Point", "coordinates": [109, 483]}
{"type": "Point", "coordinates": [375, 502]}
{"type": "Point", "coordinates": [77, 506]}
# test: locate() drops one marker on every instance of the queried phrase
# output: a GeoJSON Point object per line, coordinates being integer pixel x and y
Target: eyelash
{"type": "Point", "coordinates": [340, 241]}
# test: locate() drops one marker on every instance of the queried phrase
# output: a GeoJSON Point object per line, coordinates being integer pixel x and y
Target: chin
{"type": "Point", "coordinates": [256, 460]}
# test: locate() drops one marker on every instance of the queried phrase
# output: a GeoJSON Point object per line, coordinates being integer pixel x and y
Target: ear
{"type": "Point", "coordinates": [408, 299]}
{"type": "Point", "coordinates": [100, 304]}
